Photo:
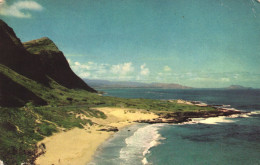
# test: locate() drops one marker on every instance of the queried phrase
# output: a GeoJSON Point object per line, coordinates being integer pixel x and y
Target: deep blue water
{"type": "Point", "coordinates": [218, 141]}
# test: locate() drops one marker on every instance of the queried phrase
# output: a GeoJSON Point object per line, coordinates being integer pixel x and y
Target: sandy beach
{"type": "Point", "coordinates": [77, 146]}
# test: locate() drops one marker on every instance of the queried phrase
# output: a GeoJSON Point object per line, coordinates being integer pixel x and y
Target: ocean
{"type": "Point", "coordinates": [231, 140]}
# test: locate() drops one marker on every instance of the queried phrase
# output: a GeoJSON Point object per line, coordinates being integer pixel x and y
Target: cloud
{"type": "Point", "coordinates": [122, 69]}
{"type": "Point", "coordinates": [236, 76]}
{"type": "Point", "coordinates": [89, 66]}
{"type": "Point", "coordinates": [85, 75]}
{"type": "Point", "coordinates": [144, 71]}
{"type": "Point", "coordinates": [127, 72]}
{"type": "Point", "coordinates": [224, 79]}
{"type": "Point", "coordinates": [167, 68]}
{"type": "Point", "coordinates": [94, 70]}
{"type": "Point", "coordinates": [17, 8]}
{"type": "Point", "coordinates": [69, 61]}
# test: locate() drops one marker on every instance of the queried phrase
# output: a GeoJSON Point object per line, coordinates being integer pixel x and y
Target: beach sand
{"type": "Point", "coordinates": [77, 146]}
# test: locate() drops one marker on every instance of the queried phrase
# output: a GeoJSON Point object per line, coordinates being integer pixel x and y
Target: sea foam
{"type": "Point", "coordinates": [221, 119]}
{"type": "Point", "coordinates": [139, 144]}
{"type": "Point", "coordinates": [213, 120]}
{"type": "Point", "coordinates": [255, 113]}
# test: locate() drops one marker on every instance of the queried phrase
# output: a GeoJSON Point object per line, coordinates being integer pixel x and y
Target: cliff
{"type": "Point", "coordinates": [54, 64]}
{"type": "Point", "coordinates": [40, 61]}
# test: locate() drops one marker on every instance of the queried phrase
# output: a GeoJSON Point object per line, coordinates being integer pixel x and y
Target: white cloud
{"type": "Point", "coordinates": [77, 63]}
{"type": "Point", "coordinates": [94, 70]}
{"type": "Point", "coordinates": [17, 9]}
{"type": "Point", "coordinates": [78, 66]}
{"type": "Point", "coordinates": [236, 76]}
{"type": "Point", "coordinates": [69, 61]}
{"type": "Point", "coordinates": [127, 72]}
{"type": "Point", "coordinates": [122, 69]}
{"type": "Point", "coordinates": [167, 68]}
{"type": "Point", "coordinates": [85, 75]}
{"type": "Point", "coordinates": [225, 79]}
{"type": "Point", "coordinates": [144, 71]}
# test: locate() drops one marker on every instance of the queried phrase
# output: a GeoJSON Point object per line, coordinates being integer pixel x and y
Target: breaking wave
{"type": "Point", "coordinates": [139, 144]}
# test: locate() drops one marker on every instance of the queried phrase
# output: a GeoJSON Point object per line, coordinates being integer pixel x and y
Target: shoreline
{"type": "Point", "coordinates": [181, 117]}
{"type": "Point", "coordinates": [78, 146]}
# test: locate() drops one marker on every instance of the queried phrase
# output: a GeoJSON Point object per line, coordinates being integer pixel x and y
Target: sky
{"type": "Point", "coordinates": [197, 43]}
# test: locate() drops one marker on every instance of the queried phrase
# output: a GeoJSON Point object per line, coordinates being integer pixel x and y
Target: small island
{"type": "Point", "coordinates": [238, 87]}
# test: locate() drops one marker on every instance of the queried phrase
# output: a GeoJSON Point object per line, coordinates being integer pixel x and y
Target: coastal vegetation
{"type": "Point", "coordinates": [40, 98]}
{"type": "Point", "coordinates": [23, 127]}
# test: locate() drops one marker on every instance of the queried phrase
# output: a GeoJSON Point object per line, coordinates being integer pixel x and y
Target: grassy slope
{"type": "Point", "coordinates": [36, 46]}
{"type": "Point", "coordinates": [22, 128]}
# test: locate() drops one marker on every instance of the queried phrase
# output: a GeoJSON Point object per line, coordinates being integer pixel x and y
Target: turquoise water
{"type": "Point", "coordinates": [236, 143]}
{"type": "Point", "coordinates": [214, 141]}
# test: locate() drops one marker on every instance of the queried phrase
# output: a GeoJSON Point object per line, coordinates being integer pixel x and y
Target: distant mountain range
{"type": "Point", "coordinates": [130, 84]}
{"type": "Point", "coordinates": [96, 83]}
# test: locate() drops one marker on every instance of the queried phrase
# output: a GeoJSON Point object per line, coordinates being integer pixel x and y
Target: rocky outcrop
{"type": "Point", "coordinates": [180, 117]}
{"type": "Point", "coordinates": [110, 129]}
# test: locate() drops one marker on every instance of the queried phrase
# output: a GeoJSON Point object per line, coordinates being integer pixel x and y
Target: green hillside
{"type": "Point", "coordinates": [41, 95]}
{"type": "Point", "coordinates": [23, 127]}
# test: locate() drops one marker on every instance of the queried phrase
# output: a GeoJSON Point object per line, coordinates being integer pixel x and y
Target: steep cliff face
{"type": "Point", "coordinates": [14, 56]}
{"type": "Point", "coordinates": [55, 64]}
{"type": "Point", "coordinates": [38, 60]}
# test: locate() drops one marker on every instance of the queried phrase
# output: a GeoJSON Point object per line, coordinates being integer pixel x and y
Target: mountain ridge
{"type": "Point", "coordinates": [39, 61]}
{"type": "Point", "coordinates": [55, 64]}
{"type": "Point", "coordinates": [41, 44]}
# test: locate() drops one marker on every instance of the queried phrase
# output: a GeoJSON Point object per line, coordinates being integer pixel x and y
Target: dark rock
{"type": "Point", "coordinates": [179, 117]}
{"type": "Point", "coordinates": [111, 129]}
